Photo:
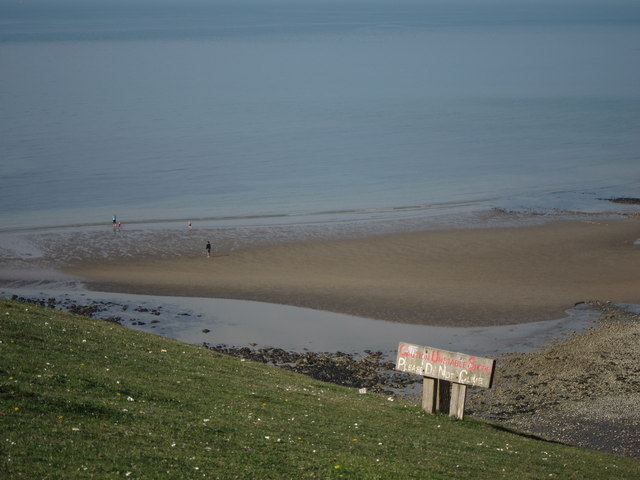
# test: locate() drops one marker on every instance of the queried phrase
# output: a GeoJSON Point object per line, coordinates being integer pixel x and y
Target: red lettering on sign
{"type": "Point", "coordinates": [405, 351]}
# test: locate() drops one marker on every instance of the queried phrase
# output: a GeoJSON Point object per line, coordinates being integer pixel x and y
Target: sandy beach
{"type": "Point", "coordinates": [482, 276]}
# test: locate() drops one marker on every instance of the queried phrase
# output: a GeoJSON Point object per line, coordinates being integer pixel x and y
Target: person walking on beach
{"type": "Point", "coordinates": [208, 248]}
{"type": "Point", "coordinates": [189, 226]}
{"type": "Point", "coordinates": [115, 221]}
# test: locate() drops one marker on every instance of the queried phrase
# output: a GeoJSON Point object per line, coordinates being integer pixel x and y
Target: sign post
{"type": "Point", "coordinates": [446, 376]}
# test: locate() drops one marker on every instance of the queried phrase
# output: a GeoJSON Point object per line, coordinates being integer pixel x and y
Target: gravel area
{"type": "Point", "coordinates": [584, 391]}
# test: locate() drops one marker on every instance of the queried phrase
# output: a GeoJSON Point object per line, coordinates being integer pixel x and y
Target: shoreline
{"type": "Point", "coordinates": [458, 277]}
{"type": "Point", "coordinates": [576, 377]}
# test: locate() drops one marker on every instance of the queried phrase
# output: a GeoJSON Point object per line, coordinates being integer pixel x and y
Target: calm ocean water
{"type": "Point", "coordinates": [314, 109]}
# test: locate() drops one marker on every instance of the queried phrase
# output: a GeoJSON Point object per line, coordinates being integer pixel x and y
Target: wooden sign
{"type": "Point", "coordinates": [450, 366]}
{"type": "Point", "coordinates": [447, 375]}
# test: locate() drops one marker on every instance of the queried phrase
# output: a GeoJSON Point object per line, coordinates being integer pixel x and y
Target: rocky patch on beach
{"type": "Point", "coordinates": [583, 391]}
{"type": "Point", "coordinates": [370, 371]}
{"type": "Point", "coordinates": [152, 311]}
{"type": "Point", "coordinates": [91, 310]}
{"type": "Point", "coordinates": [625, 200]}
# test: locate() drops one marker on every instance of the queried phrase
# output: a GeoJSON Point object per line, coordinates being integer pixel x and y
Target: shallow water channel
{"type": "Point", "coordinates": [244, 323]}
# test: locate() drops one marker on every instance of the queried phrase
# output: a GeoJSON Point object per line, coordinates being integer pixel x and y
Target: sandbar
{"type": "Point", "coordinates": [459, 277]}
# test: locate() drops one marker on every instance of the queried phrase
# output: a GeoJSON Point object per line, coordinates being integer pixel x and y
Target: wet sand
{"type": "Point", "coordinates": [454, 277]}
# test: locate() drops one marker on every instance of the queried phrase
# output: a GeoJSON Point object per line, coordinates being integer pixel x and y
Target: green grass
{"type": "Point", "coordinates": [82, 398]}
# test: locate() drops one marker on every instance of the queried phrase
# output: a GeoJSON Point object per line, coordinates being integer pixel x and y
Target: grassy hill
{"type": "Point", "coordinates": [82, 398]}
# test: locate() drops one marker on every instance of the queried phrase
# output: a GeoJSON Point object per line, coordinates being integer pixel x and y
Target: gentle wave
{"type": "Point", "coordinates": [328, 216]}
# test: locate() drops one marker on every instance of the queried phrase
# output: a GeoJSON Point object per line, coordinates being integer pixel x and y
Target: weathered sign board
{"type": "Point", "coordinates": [450, 366]}
{"type": "Point", "coordinates": [447, 374]}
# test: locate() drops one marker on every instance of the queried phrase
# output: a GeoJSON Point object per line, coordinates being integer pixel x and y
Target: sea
{"type": "Point", "coordinates": [282, 116]}
{"type": "Point", "coordinates": [218, 110]}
